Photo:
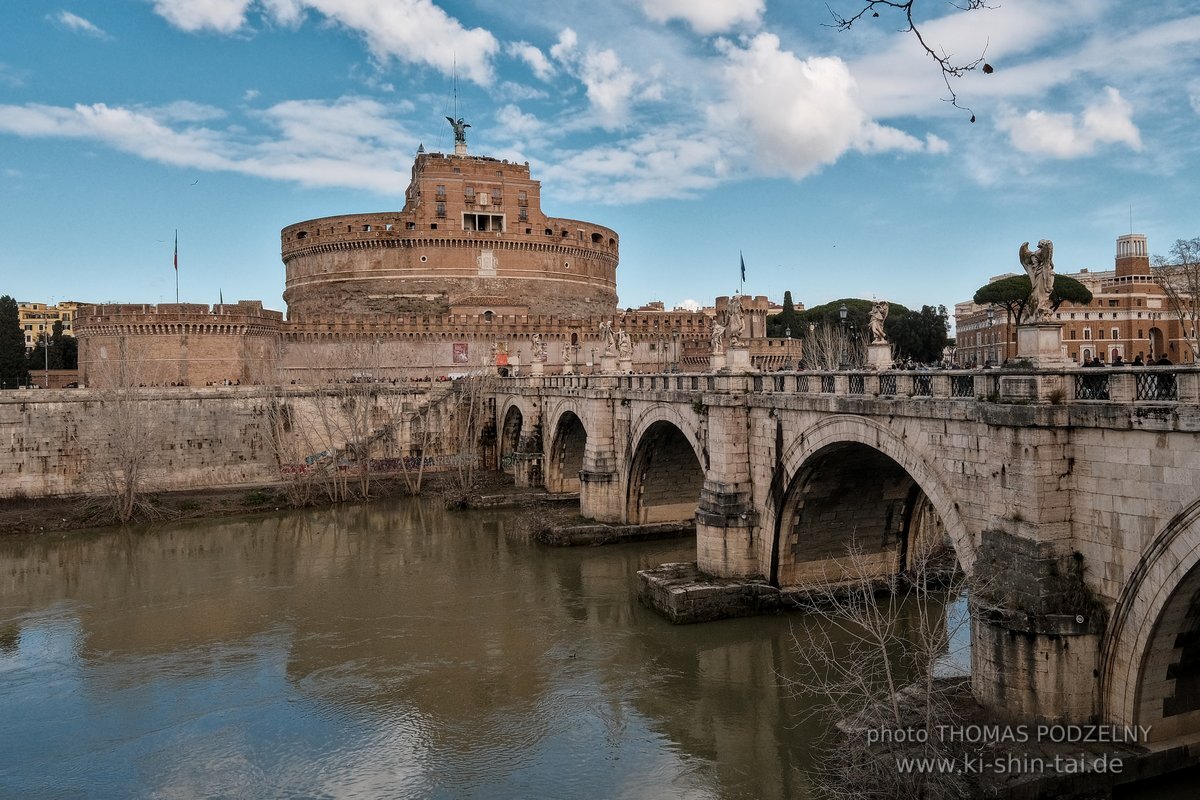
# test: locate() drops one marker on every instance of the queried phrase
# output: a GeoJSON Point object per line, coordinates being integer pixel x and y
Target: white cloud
{"type": "Point", "coordinates": [936, 145]}
{"type": "Point", "coordinates": [1108, 121]}
{"type": "Point", "coordinates": [688, 305]}
{"type": "Point", "coordinates": [566, 45]}
{"type": "Point", "coordinates": [517, 124]}
{"type": "Point", "coordinates": [706, 16]}
{"type": "Point", "coordinates": [341, 143]}
{"type": "Point", "coordinates": [542, 68]}
{"type": "Point", "coordinates": [288, 13]}
{"type": "Point", "coordinates": [413, 31]}
{"type": "Point", "coordinates": [250, 95]}
{"type": "Point", "coordinates": [669, 162]}
{"type": "Point", "coordinates": [77, 23]}
{"type": "Point", "coordinates": [11, 77]}
{"type": "Point", "coordinates": [800, 114]}
{"type": "Point", "coordinates": [222, 16]}
{"type": "Point", "coordinates": [610, 85]}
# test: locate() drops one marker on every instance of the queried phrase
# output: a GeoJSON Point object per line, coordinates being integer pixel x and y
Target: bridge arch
{"type": "Point", "coordinates": [666, 468]}
{"type": "Point", "coordinates": [515, 422]}
{"type": "Point", "coordinates": [564, 458]}
{"type": "Point", "coordinates": [1150, 668]}
{"type": "Point", "coordinates": [845, 471]}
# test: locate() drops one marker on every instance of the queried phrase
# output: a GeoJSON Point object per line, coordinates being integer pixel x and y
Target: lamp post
{"type": "Point", "coordinates": [675, 350]}
{"type": "Point", "coordinates": [787, 343]}
{"type": "Point", "coordinates": [842, 313]}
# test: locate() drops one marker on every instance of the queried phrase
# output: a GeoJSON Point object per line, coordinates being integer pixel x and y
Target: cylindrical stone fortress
{"type": "Point", "coordinates": [471, 239]}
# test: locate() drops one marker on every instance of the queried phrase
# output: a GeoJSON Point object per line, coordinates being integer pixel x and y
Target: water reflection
{"type": "Point", "coordinates": [384, 650]}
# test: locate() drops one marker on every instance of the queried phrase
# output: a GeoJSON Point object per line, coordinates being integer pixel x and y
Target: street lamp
{"type": "Point", "coordinates": [675, 349]}
{"type": "Point", "coordinates": [787, 360]}
{"type": "Point", "coordinates": [842, 361]}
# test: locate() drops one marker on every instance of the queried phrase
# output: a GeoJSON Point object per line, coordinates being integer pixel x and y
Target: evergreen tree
{"type": "Point", "coordinates": [12, 346]}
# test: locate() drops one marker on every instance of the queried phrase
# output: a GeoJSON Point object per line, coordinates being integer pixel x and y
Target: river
{"type": "Point", "coordinates": [388, 650]}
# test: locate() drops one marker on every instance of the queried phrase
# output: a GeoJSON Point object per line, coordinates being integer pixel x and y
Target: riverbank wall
{"type": "Point", "coordinates": [64, 443]}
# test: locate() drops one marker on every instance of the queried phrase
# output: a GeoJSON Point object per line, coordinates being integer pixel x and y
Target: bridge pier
{"type": "Point", "coordinates": [728, 539]}
{"type": "Point", "coordinates": [1036, 631]}
{"type": "Point", "coordinates": [600, 494]}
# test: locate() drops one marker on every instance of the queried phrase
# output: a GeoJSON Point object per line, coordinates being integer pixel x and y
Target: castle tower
{"type": "Point", "coordinates": [1132, 256]}
{"type": "Point", "coordinates": [470, 239]}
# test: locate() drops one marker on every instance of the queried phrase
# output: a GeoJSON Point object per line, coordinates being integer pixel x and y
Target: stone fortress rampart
{"type": "Point", "coordinates": [186, 344]}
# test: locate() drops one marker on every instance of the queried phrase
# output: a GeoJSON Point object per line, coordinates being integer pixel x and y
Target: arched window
{"type": "Point", "coordinates": [488, 315]}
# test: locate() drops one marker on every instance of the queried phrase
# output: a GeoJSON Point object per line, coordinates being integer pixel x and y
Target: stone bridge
{"type": "Point", "coordinates": [1075, 493]}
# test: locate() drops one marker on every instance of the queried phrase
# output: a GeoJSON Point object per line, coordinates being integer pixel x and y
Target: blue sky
{"type": "Point", "coordinates": [697, 129]}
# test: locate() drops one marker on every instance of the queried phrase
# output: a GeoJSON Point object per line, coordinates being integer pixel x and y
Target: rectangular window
{"type": "Point", "coordinates": [441, 192]}
{"type": "Point", "coordinates": [469, 192]}
{"type": "Point", "coordinates": [1112, 303]}
{"type": "Point", "coordinates": [1116, 334]}
{"type": "Point", "coordinates": [523, 213]}
{"type": "Point", "coordinates": [522, 198]}
{"type": "Point", "coordinates": [1100, 333]}
{"type": "Point", "coordinates": [441, 209]}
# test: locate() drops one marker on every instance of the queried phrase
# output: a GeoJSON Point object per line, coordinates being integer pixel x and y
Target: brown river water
{"type": "Point", "coordinates": [389, 650]}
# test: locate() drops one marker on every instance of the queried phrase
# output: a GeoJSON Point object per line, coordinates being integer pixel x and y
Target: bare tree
{"type": "Point", "coordinates": [118, 457]}
{"type": "Point", "coordinates": [951, 68]}
{"type": "Point", "coordinates": [468, 418]}
{"type": "Point", "coordinates": [830, 347]}
{"type": "Point", "coordinates": [873, 656]}
{"type": "Point", "coordinates": [1180, 279]}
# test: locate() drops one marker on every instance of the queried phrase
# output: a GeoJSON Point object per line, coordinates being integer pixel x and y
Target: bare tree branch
{"type": "Point", "coordinates": [950, 68]}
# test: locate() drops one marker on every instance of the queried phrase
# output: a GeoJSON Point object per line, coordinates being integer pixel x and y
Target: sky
{"type": "Point", "coordinates": [702, 131]}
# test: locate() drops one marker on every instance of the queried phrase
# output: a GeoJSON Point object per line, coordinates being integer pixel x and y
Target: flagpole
{"type": "Point", "coordinates": [176, 266]}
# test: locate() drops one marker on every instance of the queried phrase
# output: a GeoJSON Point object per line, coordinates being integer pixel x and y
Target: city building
{"type": "Point", "coordinates": [39, 318]}
{"type": "Point", "coordinates": [1129, 316]}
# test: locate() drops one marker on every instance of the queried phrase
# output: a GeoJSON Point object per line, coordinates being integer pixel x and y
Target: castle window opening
{"type": "Point", "coordinates": [549, 232]}
{"type": "Point", "coordinates": [529, 230]}
{"type": "Point", "coordinates": [483, 222]}
{"type": "Point", "coordinates": [388, 227]}
{"type": "Point", "coordinates": [302, 235]}
{"type": "Point", "coordinates": [366, 228]}
{"type": "Point", "coordinates": [597, 238]}
{"type": "Point", "coordinates": [410, 226]}
{"type": "Point", "coordinates": [1116, 334]}
{"type": "Point", "coordinates": [441, 210]}
{"type": "Point", "coordinates": [488, 315]}
{"type": "Point", "coordinates": [523, 213]}
{"type": "Point", "coordinates": [433, 226]}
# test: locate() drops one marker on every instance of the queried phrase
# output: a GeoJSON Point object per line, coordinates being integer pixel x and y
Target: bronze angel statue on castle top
{"type": "Point", "coordinates": [460, 128]}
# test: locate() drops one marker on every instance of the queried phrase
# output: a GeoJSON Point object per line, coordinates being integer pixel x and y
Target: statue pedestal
{"type": "Point", "coordinates": [737, 359]}
{"type": "Point", "coordinates": [537, 368]}
{"type": "Point", "coordinates": [568, 368]}
{"type": "Point", "coordinates": [625, 366]}
{"type": "Point", "coordinates": [1040, 343]}
{"type": "Point", "coordinates": [608, 364]}
{"type": "Point", "coordinates": [716, 362]}
{"type": "Point", "coordinates": [514, 365]}
{"type": "Point", "coordinates": [879, 356]}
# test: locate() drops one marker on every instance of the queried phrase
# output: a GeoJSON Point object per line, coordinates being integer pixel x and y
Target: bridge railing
{"type": "Point", "coordinates": [1151, 384]}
